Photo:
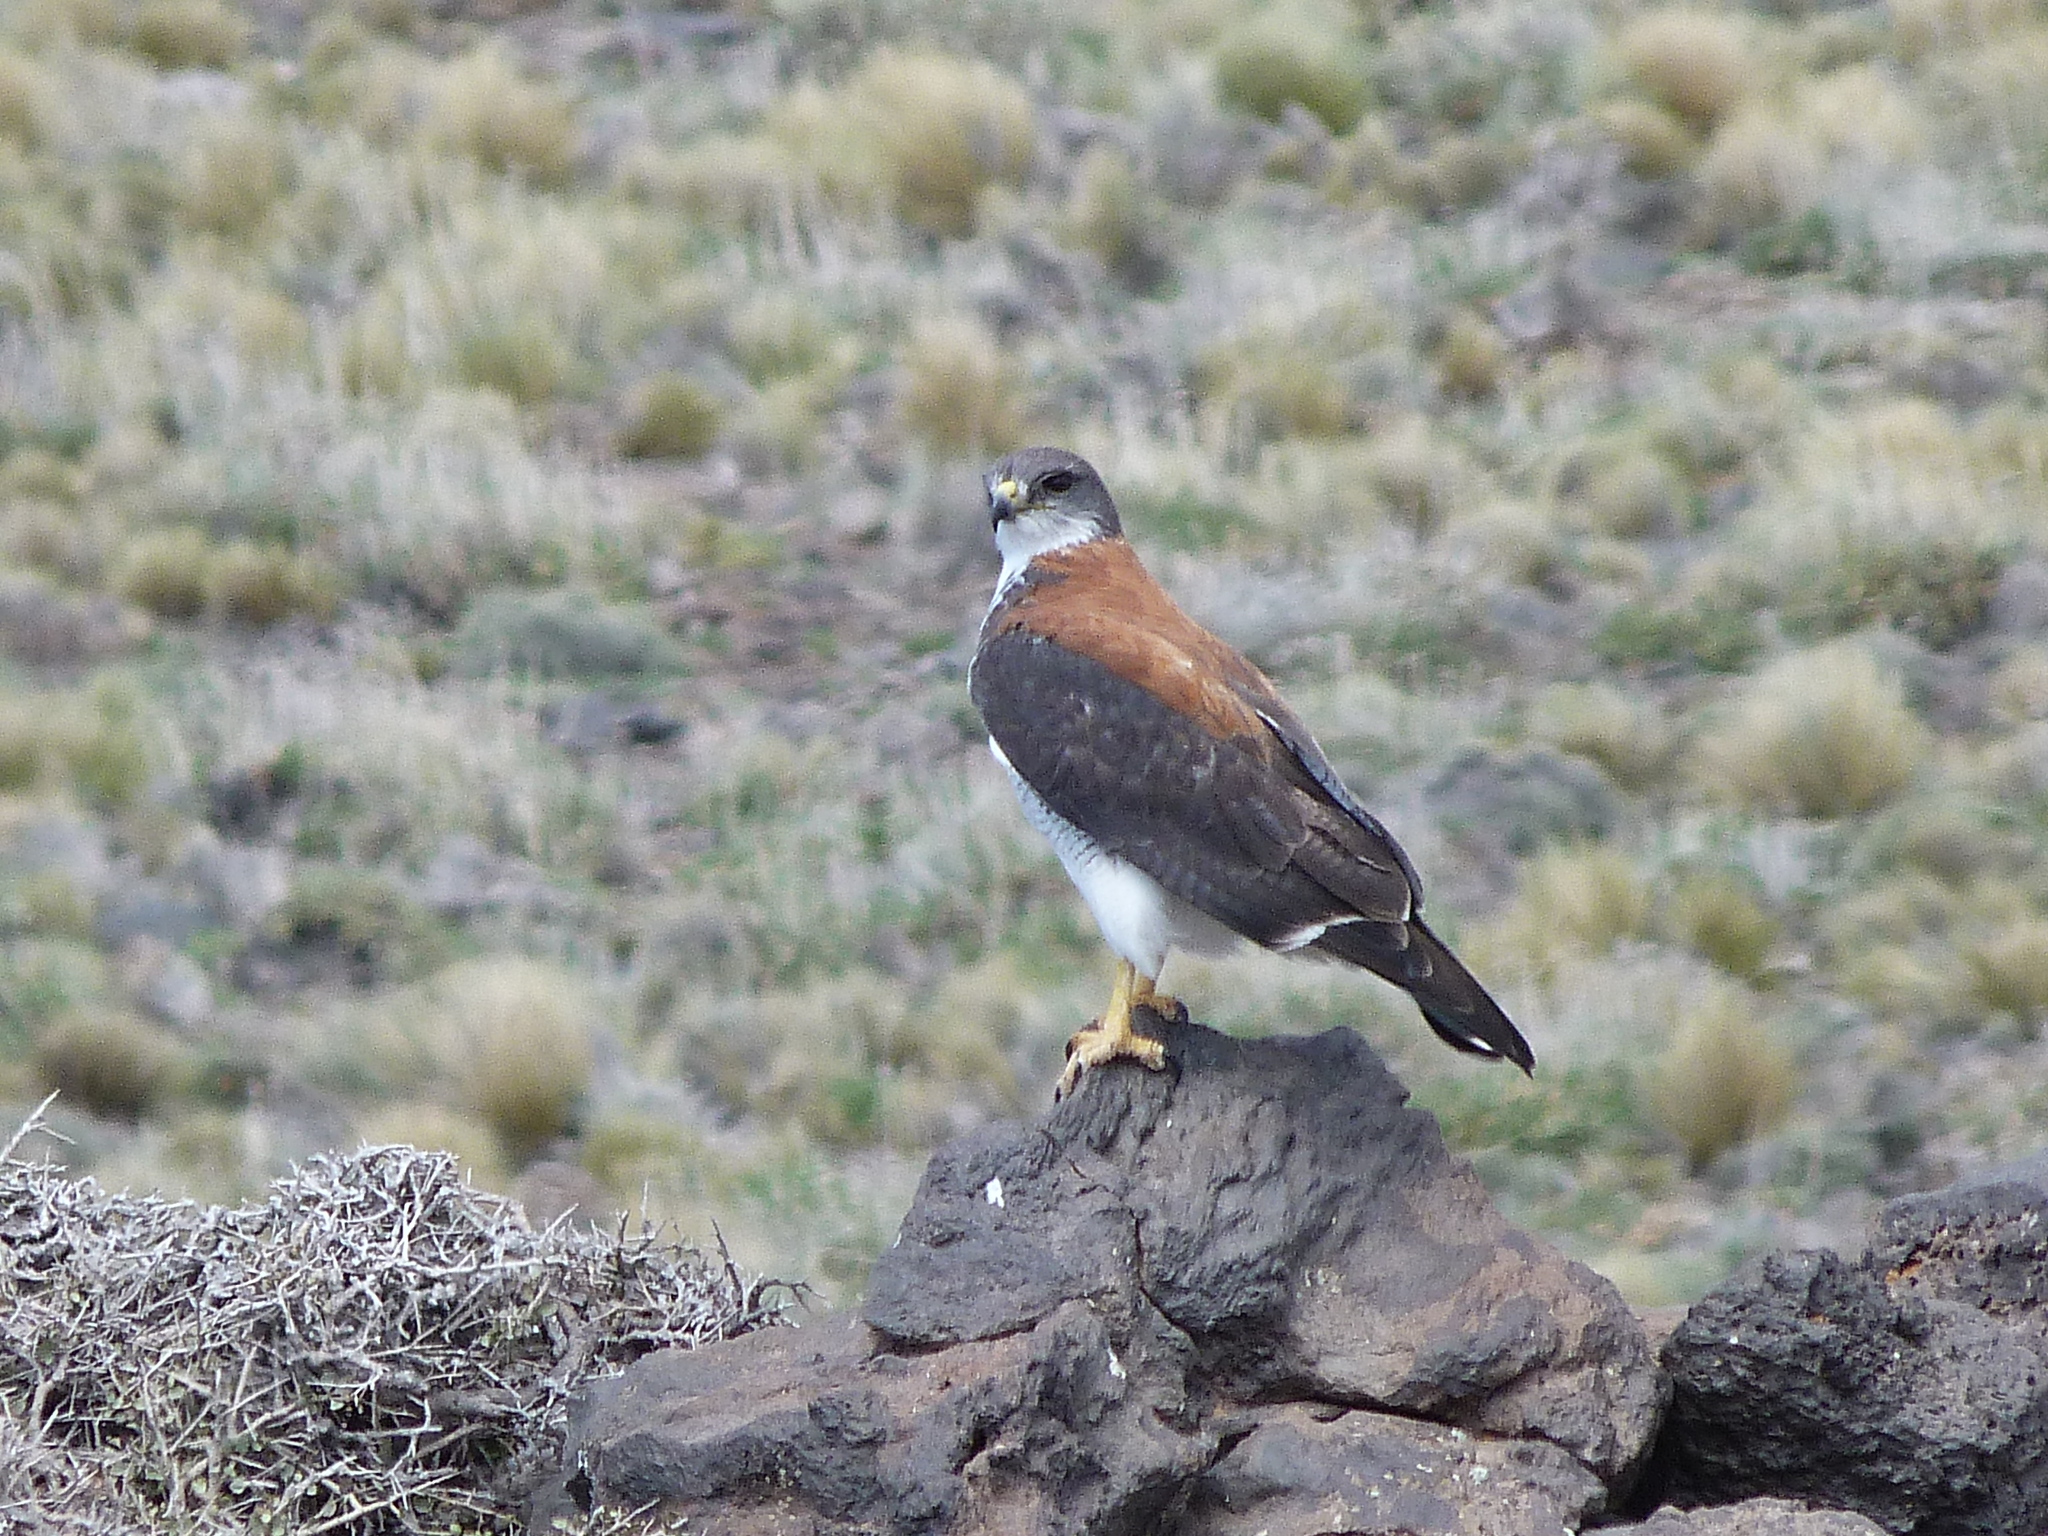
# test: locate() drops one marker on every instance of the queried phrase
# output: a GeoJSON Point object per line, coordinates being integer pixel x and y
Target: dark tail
{"type": "Point", "coordinates": [1452, 1001]}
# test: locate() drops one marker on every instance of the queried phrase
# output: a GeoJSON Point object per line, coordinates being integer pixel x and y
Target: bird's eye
{"type": "Point", "coordinates": [1059, 482]}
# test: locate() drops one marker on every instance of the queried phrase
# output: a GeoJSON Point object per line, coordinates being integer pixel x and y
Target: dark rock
{"type": "Point", "coordinates": [1296, 1472]}
{"type": "Point", "coordinates": [1910, 1385]}
{"type": "Point", "coordinates": [587, 723]}
{"type": "Point", "coordinates": [1752, 1517]}
{"type": "Point", "coordinates": [1280, 1205]}
{"type": "Point", "coordinates": [1077, 1313]}
{"type": "Point", "coordinates": [1070, 1426]}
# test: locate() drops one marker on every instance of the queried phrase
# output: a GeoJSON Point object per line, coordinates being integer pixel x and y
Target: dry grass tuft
{"type": "Point", "coordinates": [165, 572]}
{"type": "Point", "coordinates": [28, 100]}
{"type": "Point", "coordinates": [1695, 64]}
{"type": "Point", "coordinates": [1111, 214]}
{"type": "Point", "coordinates": [1654, 143]}
{"type": "Point", "coordinates": [960, 391]}
{"type": "Point", "coordinates": [943, 130]}
{"type": "Point", "coordinates": [1472, 358]}
{"type": "Point", "coordinates": [1719, 916]}
{"type": "Point", "coordinates": [383, 1348]}
{"type": "Point", "coordinates": [235, 173]}
{"type": "Point", "coordinates": [671, 416]}
{"type": "Point", "coordinates": [1569, 901]}
{"type": "Point", "coordinates": [1818, 733]}
{"type": "Point", "coordinates": [484, 106]}
{"type": "Point", "coordinates": [1597, 721]}
{"type": "Point", "coordinates": [1726, 1076]}
{"type": "Point", "coordinates": [2010, 968]}
{"type": "Point", "coordinates": [265, 584]}
{"type": "Point", "coordinates": [517, 1037]}
{"type": "Point", "coordinates": [188, 34]}
{"type": "Point", "coordinates": [1284, 61]}
{"type": "Point", "coordinates": [109, 1062]}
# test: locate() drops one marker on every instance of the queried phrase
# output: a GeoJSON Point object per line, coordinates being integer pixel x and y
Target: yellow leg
{"type": "Point", "coordinates": [1111, 1035]}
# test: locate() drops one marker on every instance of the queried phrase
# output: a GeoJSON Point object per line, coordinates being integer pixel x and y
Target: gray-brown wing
{"type": "Point", "coordinates": [1239, 828]}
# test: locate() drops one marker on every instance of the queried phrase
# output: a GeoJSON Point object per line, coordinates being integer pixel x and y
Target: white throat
{"type": "Point", "coordinates": [1021, 540]}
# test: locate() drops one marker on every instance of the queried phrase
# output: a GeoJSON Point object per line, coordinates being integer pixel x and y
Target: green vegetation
{"type": "Point", "coordinates": [489, 532]}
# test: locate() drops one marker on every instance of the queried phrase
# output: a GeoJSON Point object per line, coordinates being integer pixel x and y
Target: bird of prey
{"type": "Point", "coordinates": [1185, 799]}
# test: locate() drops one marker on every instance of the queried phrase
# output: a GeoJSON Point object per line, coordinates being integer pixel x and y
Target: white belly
{"type": "Point", "coordinates": [1140, 919]}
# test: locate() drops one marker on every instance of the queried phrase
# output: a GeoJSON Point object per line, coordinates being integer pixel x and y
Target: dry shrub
{"type": "Point", "coordinates": [236, 171]}
{"type": "Point", "coordinates": [943, 130]}
{"type": "Point", "coordinates": [1818, 733]}
{"type": "Point", "coordinates": [1718, 916]}
{"type": "Point", "coordinates": [671, 416]}
{"type": "Point", "coordinates": [188, 34]}
{"type": "Point", "coordinates": [28, 100]}
{"type": "Point", "coordinates": [265, 584]}
{"type": "Point", "coordinates": [164, 571]}
{"type": "Point", "coordinates": [1695, 64]}
{"type": "Point", "coordinates": [108, 1062]}
{"type": "Point", "coordinates": [1726, 1075]}
{"type": "Point", "coordinates": [1280, 62]}
{"type": "Point", "coordinates": [960, 391]}
{"type": "Point", "coordinates": [516, 1034]}
{"type": "Point", "coordinates": [383, 1349]}
{"type": "Point", "coordinates": [1624, 735]}
{"type": "Point", "coordinates": [2010, 968]}
{"type": "Point", "coordinates": [484, 106]}
{"type": "Point", "coordinates": [1762, 167]}
{"type": "Point", "coordinates": [1654, 143]}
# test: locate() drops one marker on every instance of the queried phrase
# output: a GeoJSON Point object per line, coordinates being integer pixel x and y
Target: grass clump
{"type": "Point", "coordinates": [940, 131]}
{"type": "Point", "coordinates": [1725, 1078]}
{"type": "Point", "coordinates": [960, 391]}
{"type": "Point", "coordinates": [1599, 722]}
{"type": "Point", "coordinates": [1938, 590]}
{"type": "Point", "coordinates": [108, 1062]}
{"type": "Point", "coordinates": [671, 416]}
{"type": "Point", "coordinates": [264, 584]}
{"type": "Point", "coordinates": [166, 572]}
{"type": "Point", "coordinates": [1281, 62]}
{"type": "Point", "coordinates": [516, 1035]}
{"type": "Point", "coordinates": [1720, 916]}
{"type": "Point", "coordinates": [2010, 969]}
{"type": "Point", "coordinates": [188, 34]}
{"type": "Point", "coordinates": [1110, 213]}
{"type": "Point", "coordinates": [485, 107]}
{"type": "Point", "coordinates": [362, 918]}
{"type": "Point", "coordinates": [560, 634]}
{"type": "Point", "coordinates": [1819, 733]}
{"type": "Point", "coordinates": [1696, 65]}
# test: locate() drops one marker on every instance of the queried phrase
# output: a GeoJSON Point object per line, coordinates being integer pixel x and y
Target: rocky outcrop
{"type": "Point", "coordinates": [1254, 1294]}
{"type": "Point", "coordinates": [1250, 1293]}
{"type": "Point", "coordinates": [1910, 1384]}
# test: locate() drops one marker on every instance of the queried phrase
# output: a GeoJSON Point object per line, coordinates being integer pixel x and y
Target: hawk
{"type": "Point", "coordinates": [1187, 802]}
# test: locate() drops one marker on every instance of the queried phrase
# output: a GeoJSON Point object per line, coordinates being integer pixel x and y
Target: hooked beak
{"type": "Point", "coordinates": [1004, 498]}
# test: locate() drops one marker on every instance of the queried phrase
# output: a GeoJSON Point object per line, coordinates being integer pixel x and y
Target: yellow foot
{"type": "Point", "coordinates": [1112, 1036]}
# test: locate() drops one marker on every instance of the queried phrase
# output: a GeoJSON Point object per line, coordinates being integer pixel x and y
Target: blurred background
{"type": "Point", "coordinates": [490, 542]}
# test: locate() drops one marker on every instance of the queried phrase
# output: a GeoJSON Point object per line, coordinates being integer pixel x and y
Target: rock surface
{"type": "Point", "coordinates": [1910, 1384]}
{"type": "Point", "coordinates": [1752, 1517]}
{"type": "Point", "coordinates": [1250, 1293]}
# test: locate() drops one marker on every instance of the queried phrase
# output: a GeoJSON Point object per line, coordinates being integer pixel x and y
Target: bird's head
{"type": "Point", "coordinates": [1042, 499]}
